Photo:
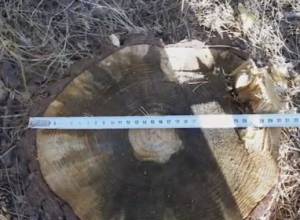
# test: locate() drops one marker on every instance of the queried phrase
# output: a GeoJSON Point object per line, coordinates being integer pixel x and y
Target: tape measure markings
{"type": "Point", "coordinates": [167, 121]}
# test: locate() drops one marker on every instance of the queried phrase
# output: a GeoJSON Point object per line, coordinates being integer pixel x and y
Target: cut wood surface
{"type": "Point", "coordinates": [180, 174]}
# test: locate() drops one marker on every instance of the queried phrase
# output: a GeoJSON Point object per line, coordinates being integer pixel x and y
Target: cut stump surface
{"type": "Point", "coordinates": [192, 174]}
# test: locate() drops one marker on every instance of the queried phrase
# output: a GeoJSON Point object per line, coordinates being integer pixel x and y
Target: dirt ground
{"type": "Point", "coordinates": [40, 40]}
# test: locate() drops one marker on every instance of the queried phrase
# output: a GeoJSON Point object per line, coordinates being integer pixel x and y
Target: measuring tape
{"type": "Point", "coordinates": [167, 121]}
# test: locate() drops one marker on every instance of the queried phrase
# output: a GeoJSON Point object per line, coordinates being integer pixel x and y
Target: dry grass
{"type": "Point", "coordinates": [44, 37]}
{"type": "Point", "coordinates": [263, 25]}
{"type": "Point", "coordinates": [288, 189]}
{"type": "Point", "coordinates": [40, 39]}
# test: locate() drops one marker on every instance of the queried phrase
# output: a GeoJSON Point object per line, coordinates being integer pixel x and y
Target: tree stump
{"type": "Point", "coordinates": [174, 174]}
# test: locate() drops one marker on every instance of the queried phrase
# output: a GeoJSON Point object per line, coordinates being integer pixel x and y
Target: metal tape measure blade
{"type": "Point", "coordinates": [167, 121]}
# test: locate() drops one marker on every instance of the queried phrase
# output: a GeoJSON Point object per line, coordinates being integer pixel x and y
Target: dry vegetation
{"type": "Point", "coordinates": [40, 39]}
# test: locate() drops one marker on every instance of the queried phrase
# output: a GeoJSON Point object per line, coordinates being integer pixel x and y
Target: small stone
{"type": "Point", "coordinates": [115, 40]}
